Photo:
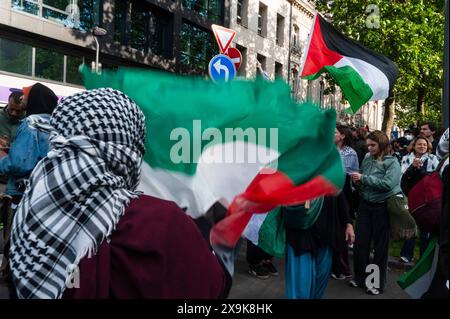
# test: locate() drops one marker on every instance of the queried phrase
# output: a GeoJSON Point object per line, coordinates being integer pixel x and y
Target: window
{"type": "Point", "coordinates": [295, 36]}
{"type": "Point", "coordinates": [321, 95]}
{"type": "Point", "coordinates": [278, 70]}
{"type": "Point", "coordinates": [91, 13]}
{"type": "Point", "coordinates": [197, 47]}
{"type": "Point", "coordinates": [211, 9]}
{"type": "Point", "coordinates": [242, 12]}
{"type": "Point", "coordinates": [280, 30]}
{"type": "Point", "coordinates": [296, 43]}
{"type": "Point", "coordinates": [262, 20]}
{"type": "Point", "coordinates": [26, 6]}
{"type": "Point", "coordinates": [120, 20]}
{"type": "Point", "coordinates": [239, 12]}
{"type": "Point", "coordinates": [72, 74]}
{"type": "Point", "coordinates": [161, 35]}
{"type": "Point", "coordinates": [49, 64]}
{"type": "Point", "coordinates": [16, 57]}
{"type": "Point", "coordinates": [77, 14]}
{"type": "Point", "coordinates": [294, 81]}
{"type": "Point", "coordinates": [262, 60]}
{"type": "Point", "coordinates": [143, 27]}
{"type": "Point", "coordinates": [243, 68]}
{"type": "Point", "coordinates": [138, 27]}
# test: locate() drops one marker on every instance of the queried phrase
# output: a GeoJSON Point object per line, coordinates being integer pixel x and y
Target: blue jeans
{"type": "Point", "coordinates": [408, 248]}
{"type": "Point", "coordinates": [409, 244]}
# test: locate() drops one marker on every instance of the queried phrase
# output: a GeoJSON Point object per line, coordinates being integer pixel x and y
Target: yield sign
{"type": "Point", "coordinates": [235, 56]}
{"type": "Point", "coordinates": [223, 36]}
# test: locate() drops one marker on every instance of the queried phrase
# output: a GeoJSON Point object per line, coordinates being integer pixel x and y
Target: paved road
{"type": "Point", "coordinates": [246, 286]}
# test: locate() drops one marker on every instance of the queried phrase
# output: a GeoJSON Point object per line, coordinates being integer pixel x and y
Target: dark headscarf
{"type": "Point", "coordinates": [41, 100]}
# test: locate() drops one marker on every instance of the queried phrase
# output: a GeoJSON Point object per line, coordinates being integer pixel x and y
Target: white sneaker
{"type": "Point", "coordinates": [404, 260]}
{"type": "Point", "coordinates": [373, 291]}
{"type": "Point", "coordinates": [340, 277]}
{"type": "Point", "coordinates": [353, 283]}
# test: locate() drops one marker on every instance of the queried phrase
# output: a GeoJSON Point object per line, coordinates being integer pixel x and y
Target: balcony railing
{"type": "Point", "coordinates": [296, 49]}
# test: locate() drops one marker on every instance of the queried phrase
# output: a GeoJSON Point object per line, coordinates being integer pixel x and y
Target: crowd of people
{"type": "Point", "coordinates": [70, 169]}
{"type": "Point", "coordinates": [377, 169]}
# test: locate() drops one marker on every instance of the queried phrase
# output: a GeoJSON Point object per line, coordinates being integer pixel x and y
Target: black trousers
{"type": "Point", "coordinates": [7, 230]}
{"type": "Point", "coordinates": [372, 225]}
{"type": "Point", "coordinates": [256, 255]}
{"type": "Point", "coordinates": [340, 263]}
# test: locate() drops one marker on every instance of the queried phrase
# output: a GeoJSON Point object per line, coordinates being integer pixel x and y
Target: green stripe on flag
{"type": "Point", "coordinates": [421, 268]}
{"type": "Point", "coordinates": [355, 89]}
{"type": "Point", "coordinates": [169, 102]}
{"type": "Point", "coordinates": [272, 236]}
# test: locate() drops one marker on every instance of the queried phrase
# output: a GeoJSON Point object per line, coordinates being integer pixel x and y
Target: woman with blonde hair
{"type": "Point", "coordinates": [415, 166]}
{"type": "Point", "coordinates": [378, 181]}
{"type": "Point", "coordinates": [419, 152]}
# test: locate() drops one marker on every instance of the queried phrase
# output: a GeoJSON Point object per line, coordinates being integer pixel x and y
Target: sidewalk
{"type": "Point", "coordinates": [393, 262]}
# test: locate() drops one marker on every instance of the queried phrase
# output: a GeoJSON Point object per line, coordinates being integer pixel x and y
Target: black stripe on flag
{"type": "Point", "coordinates": [345, 46]}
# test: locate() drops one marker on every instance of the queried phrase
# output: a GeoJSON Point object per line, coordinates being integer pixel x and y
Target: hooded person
{"type": "Point", "coordinates": [39, 99]}
{"type": "Point", "coordinates": [31, 143]}
{"type": "Point", "coordinates": [82, 223]}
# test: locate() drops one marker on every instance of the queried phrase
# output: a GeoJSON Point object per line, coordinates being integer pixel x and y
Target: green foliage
{"type": "Point", "coordinates": [410, 33]}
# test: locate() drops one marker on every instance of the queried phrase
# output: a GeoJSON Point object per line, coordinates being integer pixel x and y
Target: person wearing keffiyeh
{"type": "Point", "coordinates": [81, 210]}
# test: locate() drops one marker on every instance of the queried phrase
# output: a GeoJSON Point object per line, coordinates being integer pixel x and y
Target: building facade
{"type": "Point", "coordinates": [268, 32]}
{"type": "Point", "coordinates": [275, 34]}
{"type": "Point", "coordinates": [47, 40]}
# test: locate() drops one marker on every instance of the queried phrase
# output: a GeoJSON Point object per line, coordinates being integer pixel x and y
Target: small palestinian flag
{"type": "Point", "coordinates": [417, 281]}
{"type": "Point", "coordinates": [362, 74]}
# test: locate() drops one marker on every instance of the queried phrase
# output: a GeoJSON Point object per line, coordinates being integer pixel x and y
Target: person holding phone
{"type": "Point", "coordinates": [378, 180]}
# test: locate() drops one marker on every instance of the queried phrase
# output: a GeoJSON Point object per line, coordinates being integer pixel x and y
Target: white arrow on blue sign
{"type": "Point", "coordinates": [221, 68]}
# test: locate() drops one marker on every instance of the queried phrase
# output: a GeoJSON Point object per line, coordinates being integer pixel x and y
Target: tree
{"type": "Point", "coordinates": [410, 33]}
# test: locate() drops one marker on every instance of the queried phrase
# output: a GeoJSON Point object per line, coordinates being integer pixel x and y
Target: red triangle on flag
{"type": "Point", "coordinates": [223, 36]}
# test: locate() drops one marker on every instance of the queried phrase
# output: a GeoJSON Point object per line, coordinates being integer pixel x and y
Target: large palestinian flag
{"type": "Point", "coordinates": [245, 144]}
{"type": "Point", "coordinates": [362, 74]}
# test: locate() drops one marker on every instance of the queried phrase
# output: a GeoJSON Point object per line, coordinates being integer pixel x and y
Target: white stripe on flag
{"type": "Point", "coordinates": [422, 284]}
{"type": "Point", "coordinates": [251, 232]}
{"type": "Point", "coordinates": [373, 76]}
{"type": "Point", "coordinates": [231, 177]}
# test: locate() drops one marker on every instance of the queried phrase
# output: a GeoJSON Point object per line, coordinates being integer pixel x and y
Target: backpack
{"type": "Point", "coordinates": [425, 201]}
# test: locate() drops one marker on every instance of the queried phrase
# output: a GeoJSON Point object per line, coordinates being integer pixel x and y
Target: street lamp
{"type": "Point", "coordinates": [98, 32]}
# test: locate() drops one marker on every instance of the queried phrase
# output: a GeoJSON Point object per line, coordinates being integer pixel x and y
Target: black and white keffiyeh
{"type": "Point", "coordinates": [430, 160]}
{"type": "Point", "coordinates": [78, 192]}
{"type": "Point", "coordinates": [442, 151]}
